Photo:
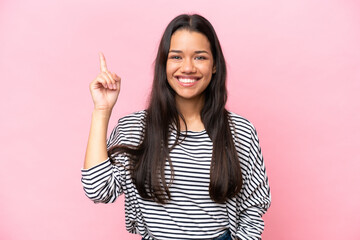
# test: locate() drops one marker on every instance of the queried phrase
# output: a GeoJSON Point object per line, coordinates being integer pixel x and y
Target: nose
{"type": "Point", "coordinates": [188, 66]}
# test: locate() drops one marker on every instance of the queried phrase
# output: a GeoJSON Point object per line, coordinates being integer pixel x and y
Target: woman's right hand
{"type": "Point", "coordinates": [105, 87]}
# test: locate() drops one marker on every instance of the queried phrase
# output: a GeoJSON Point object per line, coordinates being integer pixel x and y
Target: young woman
{"type": "Point", "coordinates": [189, 168]}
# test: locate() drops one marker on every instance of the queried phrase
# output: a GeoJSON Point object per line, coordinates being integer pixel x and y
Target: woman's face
{"type": "Point", "coordinates": [190, 64]}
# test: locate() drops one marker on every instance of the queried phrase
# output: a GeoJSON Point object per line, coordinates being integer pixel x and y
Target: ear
{"type": "Point", "coordinates": [214, 69]}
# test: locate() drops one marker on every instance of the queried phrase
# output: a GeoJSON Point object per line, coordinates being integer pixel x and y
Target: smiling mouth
{"type": "Point", "coordinates": [187, 80]}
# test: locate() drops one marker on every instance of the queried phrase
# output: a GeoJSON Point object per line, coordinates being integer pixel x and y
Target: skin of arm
{"type": "Point", "coordinates": [96, 151]}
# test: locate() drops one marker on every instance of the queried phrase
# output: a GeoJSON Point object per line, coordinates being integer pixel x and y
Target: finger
{"type": "Point", "coordinates": [103, 82]}
{"type": "Point", "coordinates": [104, 79]}
{"type": "Point", "coordinates": [117, 81]}
{"type": "Point", "coordinates": [111, 81]}
{"type": "Point", "coordinates": [98, 82]}
{"type": "Point", "coordinates": [103, 67]}
{"type": "Point", "coordinates": [116, 77]}
{"type": "Point", "coordinates": [118, 84]}
{"type": "Point", "coordinates": [107, 79]}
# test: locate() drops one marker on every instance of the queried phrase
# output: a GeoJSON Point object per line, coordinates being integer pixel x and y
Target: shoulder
{"type": "Point", "coordinates": [136, 118]}
{"type": "Point", "coordinates": [244, 132]}
{"type": "Point", "coordinates": [240, 124]}
{"type": "Point", "coordinates": [246, 140]}
{"type": "Point", "coordinates": [129, 129]}
{"type": "Point", "coordinates": [132, 124]}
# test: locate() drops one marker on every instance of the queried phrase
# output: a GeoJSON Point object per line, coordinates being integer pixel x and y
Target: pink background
{"type": "Point", "coordinates": [294, 71]}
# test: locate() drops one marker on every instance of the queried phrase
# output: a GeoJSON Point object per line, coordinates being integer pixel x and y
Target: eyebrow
{"type": "Point", "coordinates": [197, 52]}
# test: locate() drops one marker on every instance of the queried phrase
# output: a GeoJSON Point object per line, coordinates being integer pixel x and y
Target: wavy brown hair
{"type": "Point", "coordinates": [148, 160]}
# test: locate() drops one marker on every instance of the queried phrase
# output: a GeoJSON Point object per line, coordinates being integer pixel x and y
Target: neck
{"type": "Point", "coordinates": [191, 110]}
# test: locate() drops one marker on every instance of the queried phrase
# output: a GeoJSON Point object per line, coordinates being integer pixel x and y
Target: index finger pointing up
{"type": "Point", "coordinates": [103, 66]}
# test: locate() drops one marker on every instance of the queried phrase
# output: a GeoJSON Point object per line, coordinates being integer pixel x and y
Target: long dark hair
{"type": "Point", "coordinates": [148, 160]}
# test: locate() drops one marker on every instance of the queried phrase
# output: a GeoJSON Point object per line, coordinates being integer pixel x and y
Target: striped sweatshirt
{"type": "Point", "coordinates": [190, 214]}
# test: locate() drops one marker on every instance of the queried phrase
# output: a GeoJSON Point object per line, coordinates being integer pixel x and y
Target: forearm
{"type": "Point", "coordinates": [251, 224]}
{"type": "Point", "coordinates": [96, 151]}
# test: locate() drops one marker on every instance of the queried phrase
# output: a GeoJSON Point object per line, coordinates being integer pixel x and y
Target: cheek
{"type": "Point", "coordinates": [169, 69]}
{"type": "Point", "coordinates": [207, 70]}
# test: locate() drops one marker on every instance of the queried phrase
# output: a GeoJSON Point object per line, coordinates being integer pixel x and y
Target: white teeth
{"type": "Point", "coordinates": [186, 80]}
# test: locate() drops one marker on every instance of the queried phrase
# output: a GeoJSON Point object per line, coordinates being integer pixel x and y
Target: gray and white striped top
{"type": "Point", "coordinates": [190, 214]}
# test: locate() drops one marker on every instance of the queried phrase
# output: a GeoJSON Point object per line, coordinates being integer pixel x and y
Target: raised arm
{"type": "Point", "coordinates": [104, 90]}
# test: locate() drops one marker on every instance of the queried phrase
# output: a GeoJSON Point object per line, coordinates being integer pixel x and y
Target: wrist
{"type": "Point", "coordinates": [102, 113]}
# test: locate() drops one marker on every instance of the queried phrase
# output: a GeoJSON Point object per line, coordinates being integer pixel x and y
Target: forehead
{"type": "Point", "coordinates": [184, 39]}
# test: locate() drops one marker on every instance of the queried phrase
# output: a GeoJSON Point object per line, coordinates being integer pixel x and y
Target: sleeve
{"type": "Point", "coordinates": [254, 198]}
{"type": "Point", "coordinates": [103, 182]}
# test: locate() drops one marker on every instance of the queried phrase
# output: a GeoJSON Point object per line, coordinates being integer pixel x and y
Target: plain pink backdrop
{"type": "Point", "coordinates": [294, 72]}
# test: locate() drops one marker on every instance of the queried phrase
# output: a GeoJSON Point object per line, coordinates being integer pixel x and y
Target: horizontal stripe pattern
{"type": "Point", "coordinates": [190, 214]}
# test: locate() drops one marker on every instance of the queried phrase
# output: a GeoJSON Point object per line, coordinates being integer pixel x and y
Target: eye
{"type": "Point", "coordinates": [200, 58]}
{"type": "Point", "coordinates": [176, 57]}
